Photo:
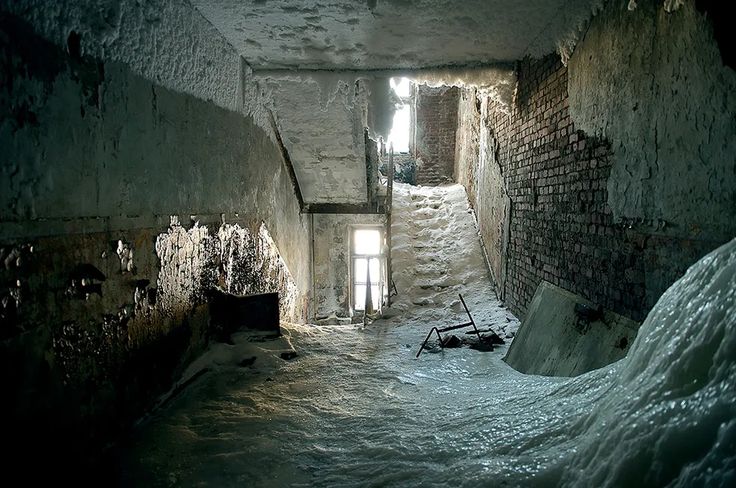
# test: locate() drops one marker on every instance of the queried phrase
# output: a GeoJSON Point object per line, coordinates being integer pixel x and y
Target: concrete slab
{"type": "Point", "coordinates": [564, 334]}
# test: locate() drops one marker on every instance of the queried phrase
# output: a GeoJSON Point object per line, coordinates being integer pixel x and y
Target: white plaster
{"type": "Point", "coordinates": [339, 34]}
{"type": "Point", "coordinates": [165, 41]}
{"type": "Point", "coordinates": [664, 99]}
{"type": "Point", "coordinates": [321, 118]}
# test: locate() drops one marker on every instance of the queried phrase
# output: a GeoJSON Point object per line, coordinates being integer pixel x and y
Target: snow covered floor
{"type": "Point", "coordinates": [356, 409]}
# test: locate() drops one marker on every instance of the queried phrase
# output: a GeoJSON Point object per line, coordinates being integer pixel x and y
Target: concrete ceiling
{"type": "Point", "coordinates": [388, 34]}
{"type": "Point", "coordinates": [306, 53]}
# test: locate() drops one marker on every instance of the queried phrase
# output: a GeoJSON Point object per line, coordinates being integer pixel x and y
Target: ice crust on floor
{"type": "Point", "coordinates": [356, 409]}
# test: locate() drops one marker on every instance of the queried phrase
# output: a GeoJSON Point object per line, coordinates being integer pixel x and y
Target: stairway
{"type": "Point", "coordinates": [436, 255]}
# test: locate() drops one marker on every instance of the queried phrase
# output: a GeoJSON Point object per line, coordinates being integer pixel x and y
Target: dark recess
{"type": "Point", "coordinates": [719, 14]}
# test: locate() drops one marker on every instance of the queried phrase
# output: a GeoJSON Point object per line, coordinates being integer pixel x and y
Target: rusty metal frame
{"type": "Point", "coordinates": [451, 327]}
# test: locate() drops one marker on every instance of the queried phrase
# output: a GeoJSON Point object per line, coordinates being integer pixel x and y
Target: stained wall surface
{"type": "Point", "coordinates": [122, 204]}
{"type": "Point", "coordinates": [664, 99]}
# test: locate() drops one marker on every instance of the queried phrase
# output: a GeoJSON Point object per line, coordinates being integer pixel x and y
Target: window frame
{"type": "Point", "coordinates": [381, 256]}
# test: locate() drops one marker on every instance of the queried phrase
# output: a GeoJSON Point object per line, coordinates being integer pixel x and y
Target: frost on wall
{"type": "Point", "coordinates": [662, 96]}
{"type": "Point", "coordinates": [497, 83]}
{"type": "Point", "coordinates": [186, 266]}
{"type": "Point", "coordinates": [234, 259]}
{"type": "Point", "coordinates": [90, 337]}
{"type": "Point", "coordinates": [250, 263]}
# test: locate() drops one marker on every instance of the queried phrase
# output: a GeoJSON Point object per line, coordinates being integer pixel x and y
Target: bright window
{"type": "Point", "coordinates": [401, 125]}
{"type": "Point", "coordinates": [367, 268]}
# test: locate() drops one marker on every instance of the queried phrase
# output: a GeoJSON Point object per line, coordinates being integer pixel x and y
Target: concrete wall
{"type": "Point", "coordinates": [166, 41]}
{"type": "Point", "coordinates": [579, 216]}
{"type": "Point", "coordinates": [332, 261]}
{"type": "Point", "coordinates": [478, 167]}
{"type": "Point", "coordinates": [103, 291]}
{"type": "Point", "coordinates": [434, 124]}
{"type": "Point", "coordinates": [664, 99]}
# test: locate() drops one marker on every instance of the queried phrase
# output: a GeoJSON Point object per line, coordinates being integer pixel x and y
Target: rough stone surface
{"type": "Point", "coordinates": [385, 34]}
{"type": "Point", "coordinates": [433, 141]}
{"type": "Point", "coordinates": [664, 99]}
{"type": "Point", "coordinates": [559, 227]}
{"type": "Point", "coordinates": [103, 292]}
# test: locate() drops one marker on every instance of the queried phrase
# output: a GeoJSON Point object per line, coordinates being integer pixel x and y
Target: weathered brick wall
{"type": "Point", "coordinates": [435, 112]}
{"type": "Point", "coordinates": [561, 228]}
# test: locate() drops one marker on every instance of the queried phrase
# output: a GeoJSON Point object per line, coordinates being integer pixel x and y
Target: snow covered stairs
{"type": "Point", "coordinates": [436, 252]}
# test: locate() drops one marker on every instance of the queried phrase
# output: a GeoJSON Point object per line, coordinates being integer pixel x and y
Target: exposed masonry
{"type": "Point", "coordinates": [561, 228]}
{"type": "Point", "coordinates": [435, 113]}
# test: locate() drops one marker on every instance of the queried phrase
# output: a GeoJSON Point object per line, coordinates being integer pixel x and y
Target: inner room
{"type": "Point", "coordinates": [368, 243]}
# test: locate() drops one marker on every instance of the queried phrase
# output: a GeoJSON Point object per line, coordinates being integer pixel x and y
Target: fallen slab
{"type": "Point", "coordinates": [564, 334]}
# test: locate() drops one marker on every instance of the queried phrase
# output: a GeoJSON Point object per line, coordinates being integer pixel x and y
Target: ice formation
{"type": "Point", "coordinates": [355, 408]}
{"type": "Point", "coordinates": [498, 83]}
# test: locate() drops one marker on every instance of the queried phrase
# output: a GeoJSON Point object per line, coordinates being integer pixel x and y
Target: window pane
{"type": "Point", "coordinates": [367, 241]}
{"type": "Point", "coordinates": [375, 292]}
{"type": "Point", "coordinates": [375, 270]}
{"type": "Point", "coordinates": [359, 297]}
{"type": "Point", "coordinates": [360, 270]}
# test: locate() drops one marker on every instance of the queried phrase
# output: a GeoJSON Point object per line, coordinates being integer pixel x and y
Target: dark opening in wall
{"type": "Point", "coordinates": [719, 15]}
{"type": "Point", "coordinates": [74, 45]}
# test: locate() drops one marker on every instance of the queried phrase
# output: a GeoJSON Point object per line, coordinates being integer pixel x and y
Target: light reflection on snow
{"type": "Point", "coordinates": [355, 409]}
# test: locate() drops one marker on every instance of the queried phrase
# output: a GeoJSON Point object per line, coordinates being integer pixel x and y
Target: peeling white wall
{"type": "Point", "coordinates": [653, 83]}
{"type": "Point", "coordinates": [321, 118]}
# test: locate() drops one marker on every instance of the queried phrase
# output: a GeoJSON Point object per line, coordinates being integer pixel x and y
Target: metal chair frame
{"type": "Point", "coordinates": [451, 327]}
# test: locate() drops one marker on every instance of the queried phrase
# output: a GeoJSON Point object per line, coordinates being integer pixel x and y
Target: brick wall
{"type": "Point", "coordinates": [561, 228]}
{"type": "Point", "coordinates": [435, 115]}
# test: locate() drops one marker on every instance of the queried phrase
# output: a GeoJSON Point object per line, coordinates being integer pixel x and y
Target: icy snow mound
{"type": "Point", "coordinates": [669, 417]}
